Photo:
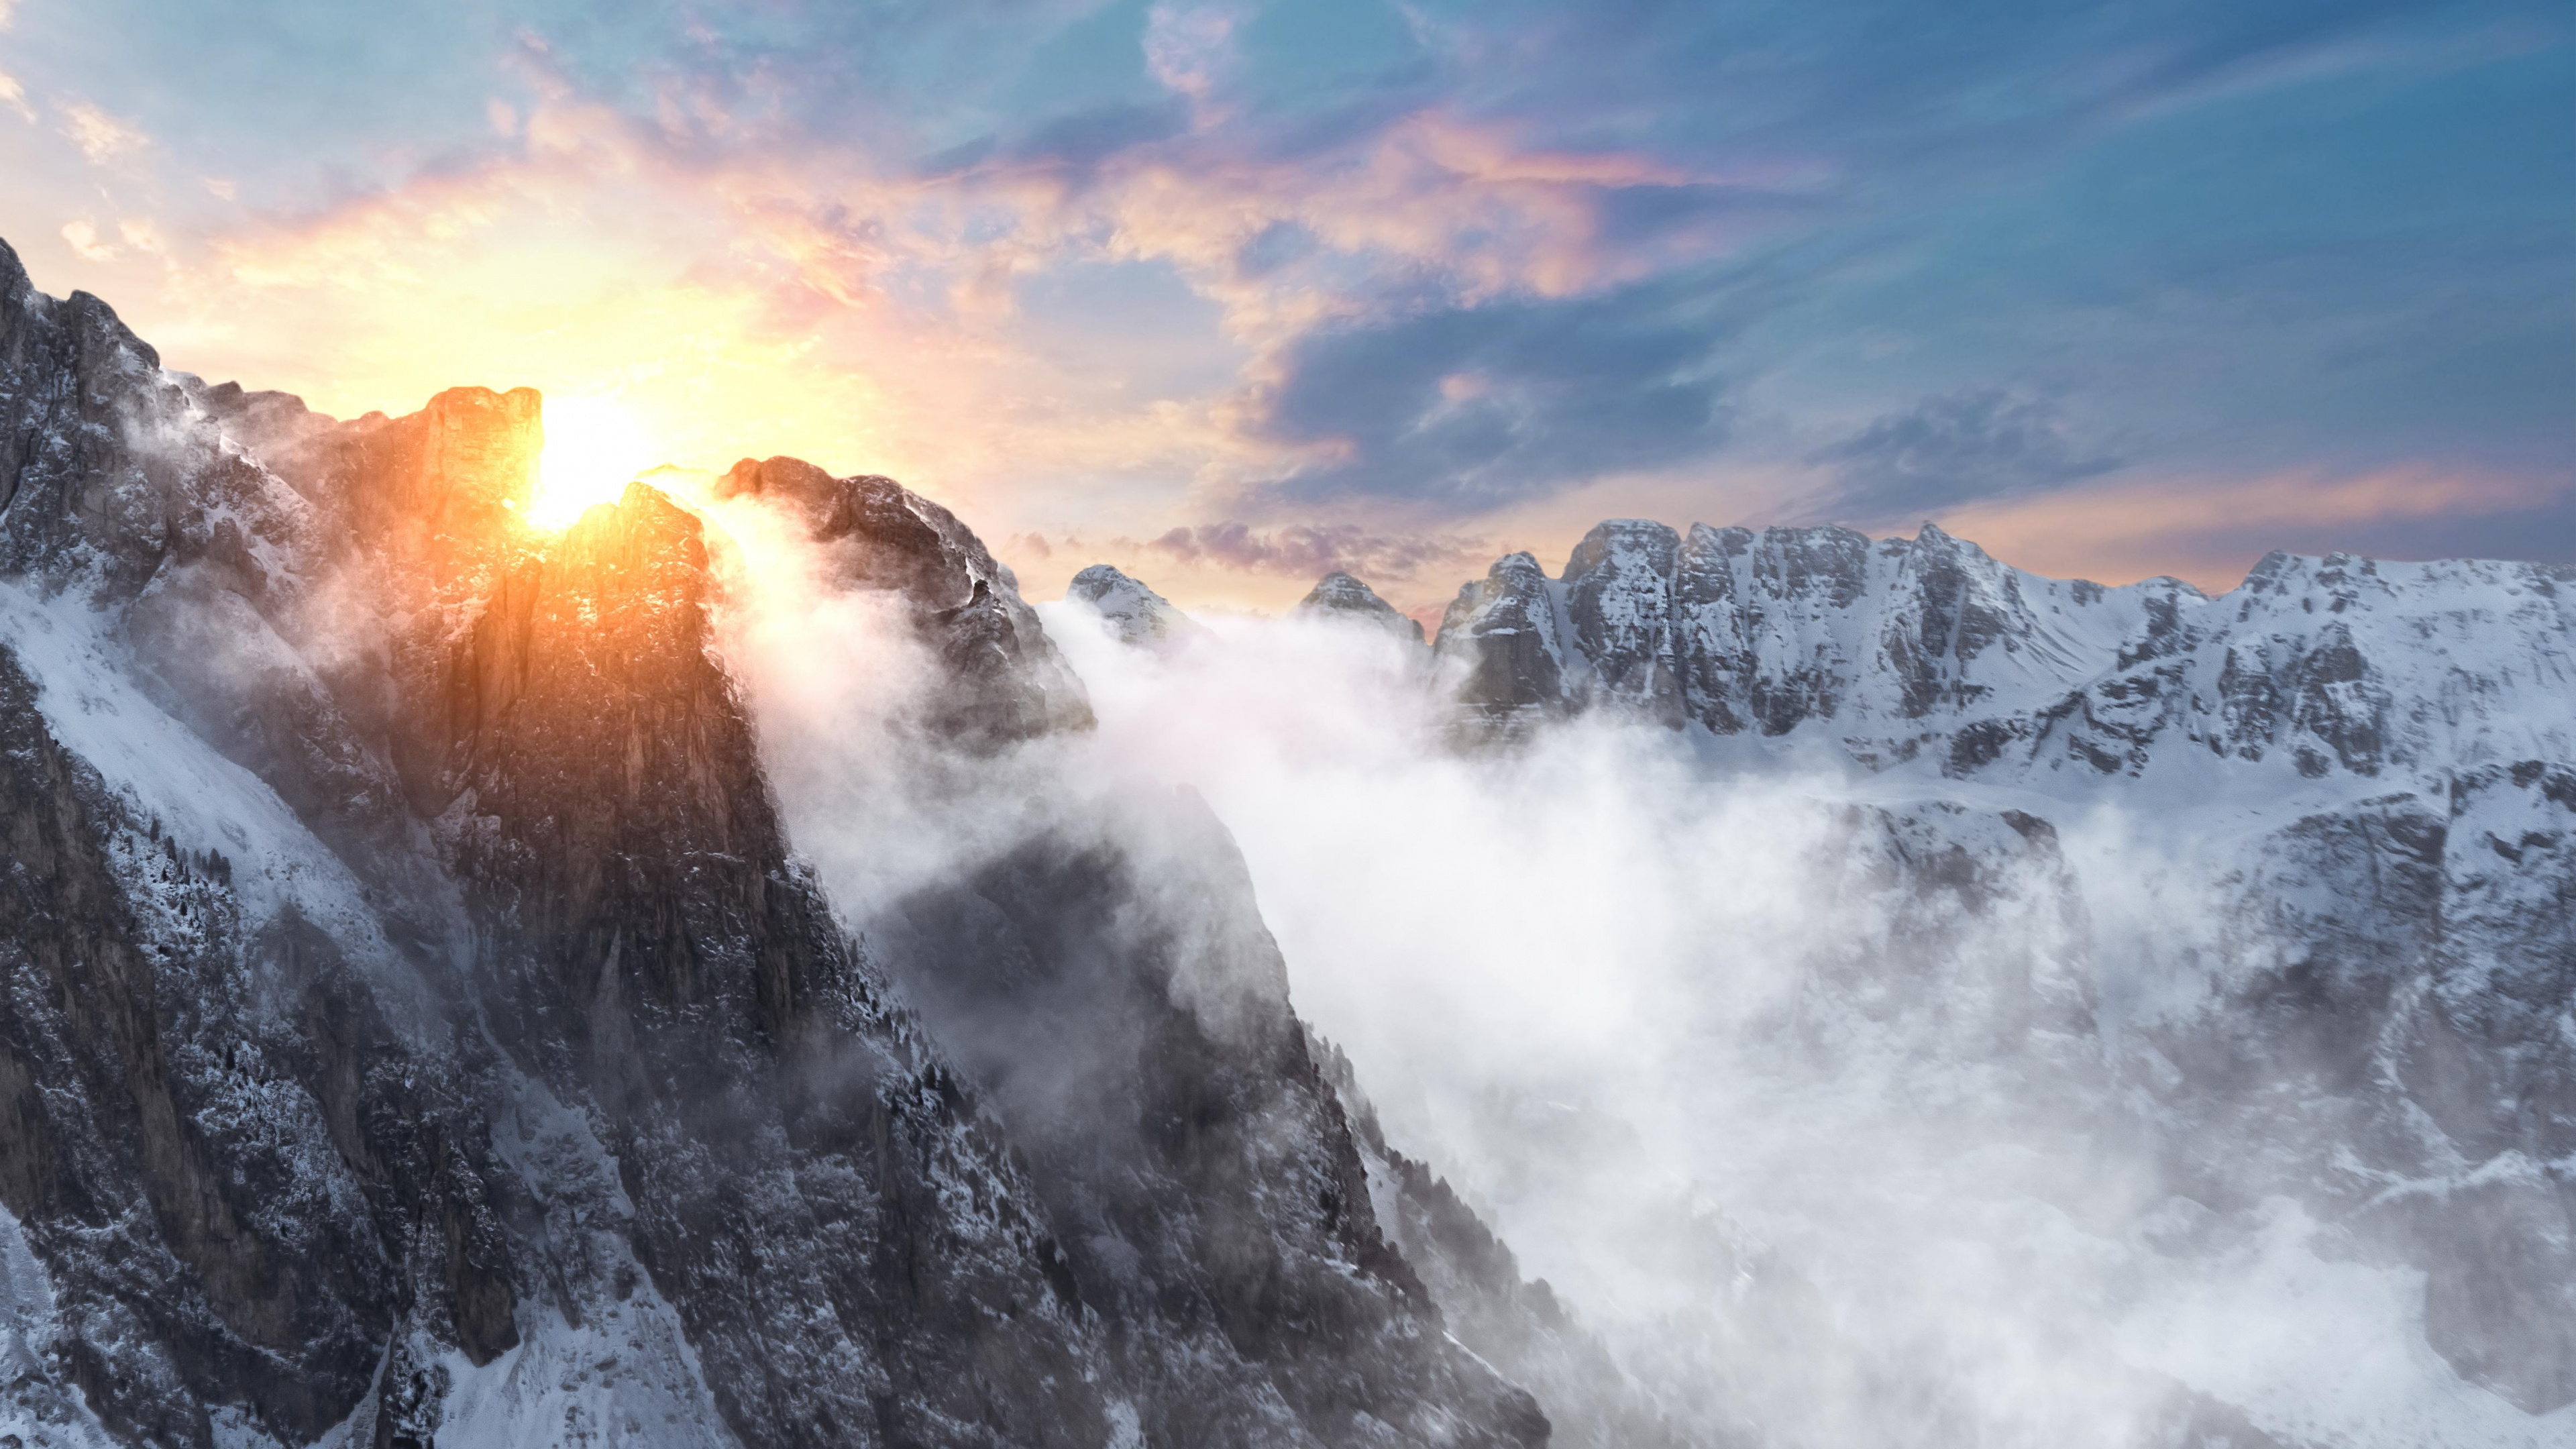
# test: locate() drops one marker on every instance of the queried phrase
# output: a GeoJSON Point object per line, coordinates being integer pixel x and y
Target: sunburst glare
{"type": "Point", "coordinates": [594, 448]}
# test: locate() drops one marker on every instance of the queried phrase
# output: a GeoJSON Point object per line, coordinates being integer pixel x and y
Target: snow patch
{"type": "Point", "coordinates": [163, 770]}
{"type": "Point", "coordinates": [35, 1410]}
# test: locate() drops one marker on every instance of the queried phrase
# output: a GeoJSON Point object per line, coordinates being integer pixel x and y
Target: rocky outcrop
{"type": "Point", "coordinates": [999, 678]}
{"type": "Point", "coordinates": [1506, 635]}
{"type": "Point", "coordinates": [1134, 613]}
{"type": "Point", "coordinates": [1109, 988]}
{"type": "Point", "coordinates": [1118, 996]}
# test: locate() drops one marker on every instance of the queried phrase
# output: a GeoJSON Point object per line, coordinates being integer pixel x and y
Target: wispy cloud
{"type": "Point", "coordinates": [81, 235]}
{"type": "Point", "coordinates": [101, 137]}
{"type": "Point", "coordinates": [1307, 551]}
{"type": "Point", "coordinates": [1946, 450]}
{"type": "Point", "coordinates": [2209, 528]}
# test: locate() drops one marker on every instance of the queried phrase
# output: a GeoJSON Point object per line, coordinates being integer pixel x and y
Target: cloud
{"type": "Point", "coordinates": [2210, 528]}
{"type": "Point", "coordinates": [81, 233]}
{"type": "Point", "coordinates": [1501, 261]}
{"type": "Point", "coordinates": [142, 234]}
{"type": "Point", "coordinates": [1466, 407]}
{"type": "Point", "coordinates": [101, 137]}
{"type": "Point", "coordinates": [1312, 550]}
{"type": "Point", "coordinates": [1981, 443]}
{"type": "Point", "coordinates": [1190, 48]}
{"type": "Point", "coordinates": [1298, 551]}
{"type": "Point", "coordinates": [12, 94]}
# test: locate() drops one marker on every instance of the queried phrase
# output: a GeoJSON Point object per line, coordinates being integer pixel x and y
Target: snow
{"type": "Point", "coordinates": [35, 1410]}
{"type": "Point", "coordinates": [163, 770]}
{"type": "Point", "coordinates": [1129, 611]}
{"type": "Point", "coordinates": [2357, 1329]}
{"type": "Point", "coordinates": [626, 1376]}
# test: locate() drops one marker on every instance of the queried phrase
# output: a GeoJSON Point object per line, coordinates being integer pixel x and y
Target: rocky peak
{"type": "Point", "coordinates": [1338, 595]}
{"type": "Point", "coordinates": [440, 487]}
{"type": "Point", "coordinates": [608, 765]}
{"type": "Point", "coordinates": [99, 463]}
{"type": "Point", "coordinates": [1619, 596]}
{"type": "Point", "coordinates": [1002, 679]}
{"type": "Point", "coordinates": [540, 1093]}
{"type": "Point", "coordinates": [1135, 613]}
{"type": "Point", "coordinates": [1507, 634]}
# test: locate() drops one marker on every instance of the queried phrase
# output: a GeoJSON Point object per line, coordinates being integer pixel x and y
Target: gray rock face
{"type": "Point", "coordinates": [1339, 596]}
{"type": "Point", "coordinates": [1207, 1184]}
{"type": "Point", "coordinates": [418, 1030]}
{"type": "Point", "coordinates": [1135, 613]}
{"type": "Point", "coordinates": [1508, 633]}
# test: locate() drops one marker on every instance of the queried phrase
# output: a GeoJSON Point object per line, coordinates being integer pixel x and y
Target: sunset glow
{"type": "Point", "coordinates": [594, 448]}
{"type": "Point", "coordinates": [1155, 286]}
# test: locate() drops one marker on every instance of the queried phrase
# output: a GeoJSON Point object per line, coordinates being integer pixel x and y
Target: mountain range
{"type": "Point", "coordinates": [423, 1027]}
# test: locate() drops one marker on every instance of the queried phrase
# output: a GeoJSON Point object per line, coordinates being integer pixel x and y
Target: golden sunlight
{"type": "Point", "coordinates": [594, 448]}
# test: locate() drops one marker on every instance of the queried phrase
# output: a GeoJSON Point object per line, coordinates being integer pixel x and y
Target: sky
{"type": "Point", "coordinates": [1233, 293]}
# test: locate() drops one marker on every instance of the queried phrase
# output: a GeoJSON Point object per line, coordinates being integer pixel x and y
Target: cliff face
{"type": "Point", "coordinates": [421, 1032]}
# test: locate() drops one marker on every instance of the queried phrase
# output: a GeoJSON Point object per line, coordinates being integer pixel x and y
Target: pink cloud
{"type": "Point", "coordinates": [2209, 530]}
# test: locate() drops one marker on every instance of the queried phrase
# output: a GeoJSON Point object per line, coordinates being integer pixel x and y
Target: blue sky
{"type": "Point", "coordinates": [1232, 292]}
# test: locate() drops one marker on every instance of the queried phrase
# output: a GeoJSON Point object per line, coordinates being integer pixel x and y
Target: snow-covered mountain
{"type": "Point", "coordinates": [2367, 1005]}
{"type": "Point", "coordinates": [419, 1028]}
{"type": "Point", "coordinates": [1339, 596]}
{"type": "Point", "coordinates": [1133, 612]}
{"type": "Point", "coordinates": [1897, 647]}
{"type": "Point", "coordinates": [1944, 1004]}
{"type": "Point", "coordinates": [724, 973]}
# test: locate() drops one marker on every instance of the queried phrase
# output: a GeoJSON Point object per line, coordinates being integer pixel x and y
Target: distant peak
{"type": "Point", "coordinates": [1339, 595]}
{"type": "Point", "coordinates": [1135, 613]}
{"type": "Point", "coordinates": [1338, 590]}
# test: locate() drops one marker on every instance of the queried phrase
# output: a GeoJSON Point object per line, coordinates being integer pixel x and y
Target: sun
{"type": "Point", "coordinates": [594, 448]}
